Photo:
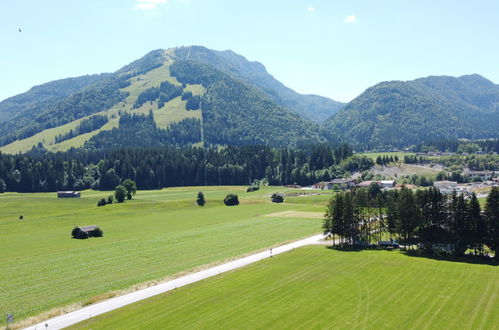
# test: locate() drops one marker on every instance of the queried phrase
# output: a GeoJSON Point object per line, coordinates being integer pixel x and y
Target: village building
{"type": "Point", "coordinates": [445, 186]}
{"type": "Point", "coordinates": [365, 184]}
{"type": "Point", "coordinates": [341, 183]}
{"type": "Point", "coordinates": [68, 194]}
{"type": "Point", "coordinates": [387, 183]}
{"type": "Point", "coordinates": [383, 184]}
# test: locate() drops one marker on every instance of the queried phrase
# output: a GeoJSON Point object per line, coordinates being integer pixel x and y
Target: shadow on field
{"type": "Point", "coordinates": [470, 259]}
{"type": "Point", "coordinates": [477, 260]}
{"type": "Point", "coordinates": [346, 248]}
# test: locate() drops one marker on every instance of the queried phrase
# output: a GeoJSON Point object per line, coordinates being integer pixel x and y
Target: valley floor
{"type": "Point", "coordinates": [153, 237]}
{"type": "Point", "coordinates": [317, 287]}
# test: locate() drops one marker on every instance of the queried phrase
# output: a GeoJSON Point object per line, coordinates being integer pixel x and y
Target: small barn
{"type": "Point", "coordinates": [86, 232]}
{"type": "Point", "coordinates": [68, 194]}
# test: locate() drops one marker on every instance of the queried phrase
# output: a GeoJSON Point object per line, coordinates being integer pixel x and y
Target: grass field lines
{"type": "Point", "coordinates": [317, 287]}
{"type": "Point", "coordinates": [156, 235]}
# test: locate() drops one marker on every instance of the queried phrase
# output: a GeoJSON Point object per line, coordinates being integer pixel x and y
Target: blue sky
{"type": "Point", "coordinates": [331, 48]}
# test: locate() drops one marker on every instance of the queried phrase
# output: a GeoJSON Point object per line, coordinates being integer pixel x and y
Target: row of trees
{"type": "Point", "coordinates": [486, 145]}
{"type": "Point", "coordinates": [425, 217]}
{"type": "Point", "coordinates": [386, 159]}
{"type": "Point", "coordinates": [168, 166]}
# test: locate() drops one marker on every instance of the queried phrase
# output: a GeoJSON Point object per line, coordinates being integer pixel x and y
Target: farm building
{"type": "Point", "coordinates": [86, 232]}
{"type": "Point", "coordinates": [445, 186]}
{"type": "Point", "coordinates": [366, 183]}
{"type": "Point", "coordinates": [68, 194]}
{"type": "Point", "coordinates": [342, 183]}
{"type": "Point", "coordinates": [387, 183]}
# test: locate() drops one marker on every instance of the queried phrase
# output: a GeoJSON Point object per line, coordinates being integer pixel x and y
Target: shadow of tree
{"type": "Point", "coordinates": [477, 260]}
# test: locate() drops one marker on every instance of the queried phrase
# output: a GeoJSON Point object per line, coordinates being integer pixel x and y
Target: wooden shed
{"type": "Point", "coordinates": [68, 194]}
{"type": "Point", "coordinates": [84, 232]}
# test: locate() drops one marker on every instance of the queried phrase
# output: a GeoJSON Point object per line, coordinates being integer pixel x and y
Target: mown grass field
{"type": "Point", "coordinates": [156, 235]}
{"type": "Point", "coordinates": [315, 287]}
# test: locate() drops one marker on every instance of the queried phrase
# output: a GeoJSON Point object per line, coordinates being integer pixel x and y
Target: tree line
{"type": "Point", "coordinates": [436, 222]}
{"type": "Point", "coordinates": [154, 168]}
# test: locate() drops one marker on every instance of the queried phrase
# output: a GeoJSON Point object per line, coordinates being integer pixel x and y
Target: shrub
{"type": "Point", "coordinates": [200, 199]}
{"type": "Point", "coordinates": [131, 188]}
{"type": "Point", "coordinates": [97, 232]}
{"type": "Point", "coordinates": [102, 202]}
{"type": "Point", "coordinates": [231, 200]}
{"type": "Point", "coordinates": [78, 233]}
{"type": "Point", "coordinates": [110, 199]}
{"type": "Point", "coordinates": [252, 188]}
{"type": "Point", "coordinates": [3, 186]}
{"type": "Point", "coordinates": [120, 193]}
{"type": "Point", "coordinates": [277, 198]}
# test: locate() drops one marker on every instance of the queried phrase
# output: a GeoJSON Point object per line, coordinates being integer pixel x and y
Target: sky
{"type": "Point", "coordinates": [327, 47]}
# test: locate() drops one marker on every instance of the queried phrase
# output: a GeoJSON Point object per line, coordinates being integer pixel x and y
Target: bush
{"type": "Point", "coordinates": [200, 199]}
{"type": "Point", "coordinates": [110, 199]}
{"type": "Point", "coordinates": [78, 233]}
{"type": "Point", "coordinates": [277, 198]}
{"type": "Point", "coordinates": [131, 188]}
{"type": "Point", "coordinates": [102, 202]}
{"type": "Point", "coordinates": [97, 232]}
{"type": "Point", "coordinates": [231, 200]}
{"type": "Point", "coordinates": [3, 186]}
{"type": "Point", "coordinates": [252, 188]}
{"type": "Point", "coordinates": [120, 193]}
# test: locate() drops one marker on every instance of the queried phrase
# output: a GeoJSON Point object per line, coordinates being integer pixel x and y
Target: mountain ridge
{"type": "Point", "coordinates": [251, 117]}
{"type": "Point", "coordinates": [401, 113]}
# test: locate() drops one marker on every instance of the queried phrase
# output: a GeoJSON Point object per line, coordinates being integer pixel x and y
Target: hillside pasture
{"type": "Point", "coordinates": [154, 236]}
{"type": "Point", "coordinates": [316, 288]}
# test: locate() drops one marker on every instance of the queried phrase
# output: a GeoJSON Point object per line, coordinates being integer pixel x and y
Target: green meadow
{"type": "Point", "coordinates": [316, 287]}
{"type": "Point", "coordinates": [399, 154]}
{"type": "Point", "coordinates": [154, 236]}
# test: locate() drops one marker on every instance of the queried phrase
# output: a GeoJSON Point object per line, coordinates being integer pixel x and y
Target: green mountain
{"type": "Point", "coordinates": [397, 113]}
{"type": "Point", "coordinates": [314, 107]}
{"type": "Point", "coordinates": [166, 97]}
{"type": "Point", "coordinates": [38, 97]}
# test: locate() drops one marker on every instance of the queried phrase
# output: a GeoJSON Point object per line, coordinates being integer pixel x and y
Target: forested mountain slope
{"type": "Point", "coordinates": [397, 113]}
{"type": "Point", "coordinates": [314, 107]}
{"type": "Point", "coordinates": [40, 96]}
{"type": "Point", "coordinates": [160, 99]}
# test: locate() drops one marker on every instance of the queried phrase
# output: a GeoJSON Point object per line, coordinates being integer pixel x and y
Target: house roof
{"type": "Point", "coordinates": [366, 183]}
{"type": "Point", "coordinates": [445, 182]}
{"type": "Point", "coordinates": [88, 228]}
{"type": "Point", "coordinates": [388, 182]}
{"type": "Point", "coordinates": [341, 181]}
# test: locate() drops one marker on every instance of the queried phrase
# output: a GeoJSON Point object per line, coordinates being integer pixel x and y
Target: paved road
{"type": "Point", "coordinates": [85, 313]}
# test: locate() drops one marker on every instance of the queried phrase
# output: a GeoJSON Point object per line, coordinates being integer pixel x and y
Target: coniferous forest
{"type": "Point", "coordinates": [154, 168]}
{"type": "Point", "coordinates": [439, 224]}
